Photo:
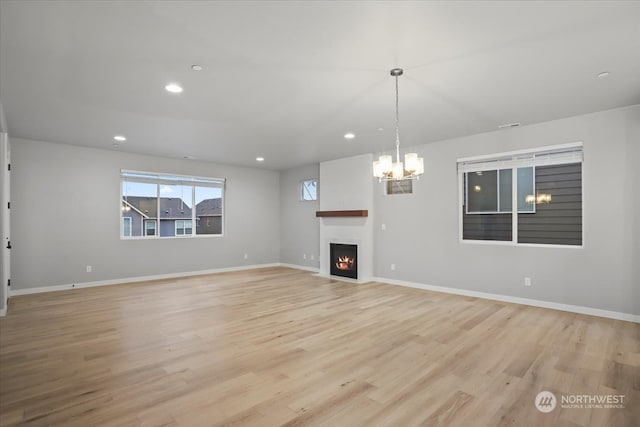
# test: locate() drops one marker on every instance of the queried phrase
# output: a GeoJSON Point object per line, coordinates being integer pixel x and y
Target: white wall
{"type": "Point", "coordinates": [298, 222]}
{"type": "Point", "coordinates": [65, 216]}
{"type": "Point", "coordinates": [346, 185]}
{"type": "Point", "coordinates": [422, 237]}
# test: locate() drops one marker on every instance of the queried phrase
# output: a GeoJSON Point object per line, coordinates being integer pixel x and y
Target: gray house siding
{"type": "Point", "coordinates": [487, 226]}
{"type": "Point", "coordinates": [209, 225]}
{"type": "Point", "coordinates": [136, 222]}
{"type": "Point", "coordinates": [559, 222]}
{"type": "Point", "coordinates": [167, 227]}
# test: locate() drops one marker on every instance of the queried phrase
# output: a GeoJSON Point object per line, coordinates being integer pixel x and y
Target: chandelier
{"type": "Point", "coordinates": [385, 169]}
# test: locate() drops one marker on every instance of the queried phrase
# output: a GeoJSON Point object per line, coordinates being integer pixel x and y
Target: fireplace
{"type": "Point", "coordinates": [343, 260]}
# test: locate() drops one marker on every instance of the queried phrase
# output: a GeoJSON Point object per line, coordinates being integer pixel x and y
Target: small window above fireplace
{"type": "Point", "coordinates": [400, 187]}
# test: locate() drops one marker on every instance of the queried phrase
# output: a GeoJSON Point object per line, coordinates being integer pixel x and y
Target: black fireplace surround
{"type": "Point", "coordinates": [343, 260]}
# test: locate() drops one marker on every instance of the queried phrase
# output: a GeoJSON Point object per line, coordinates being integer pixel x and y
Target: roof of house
{"type": "Point", "coordinates": [209, 207]}
{"type": "Point", "coordinates": [170, 207]}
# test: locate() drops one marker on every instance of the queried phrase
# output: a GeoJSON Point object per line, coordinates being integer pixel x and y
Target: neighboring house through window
{"type": "Point", "coordinates": [546, 186]}
{"type": "Point", "coordinates": [309, 190]}
{"type": "Point", "coordinates": [160, 205]}
{"type": "Point", "coordinates": [404, 186]}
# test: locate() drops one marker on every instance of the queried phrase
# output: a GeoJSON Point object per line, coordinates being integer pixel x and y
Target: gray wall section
{"type": "Point", "coordinates": [299, 225]}
{"type": "Point", "coordinates": [78, 189]}
{"type": "Point", "coordinates": [631, 213]}
{"type": "Point", "coordinates": [66, 216]}
{"type": "Point", "coordinates": [3, 297]}
{"type": "Point", "coordinates": [422, 231]}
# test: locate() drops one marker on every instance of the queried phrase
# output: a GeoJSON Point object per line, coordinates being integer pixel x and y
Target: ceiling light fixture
{"type": "Point", "coordinates": [603, 74]}
{"type": "Point", "coordinates": [384, 168]}
{"type": "Point", "coordinates": [120, 138]}
{"type": "Point", "coordinates": [259, 159]}
{"type": "Point", "coordinates": [173, 88]}
{"type": "Point", "coordinates": [196, 67]}
{"type": "Point", "coordinates": [349, 135]}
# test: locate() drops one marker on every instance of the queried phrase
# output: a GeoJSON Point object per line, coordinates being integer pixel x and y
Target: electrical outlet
{"type": "Point", "coordinates": [246, 256]}
{"type": "Point", "coordinates": [304, 256]}
{"type": "Point", "coordinates": [89, 269]}
{"type": "Point", "coordinates": [312, 257]}
{"type": "Point", "coordinates": [393, 267]}
{"type": "Point", "coordinates": [527, 281]}
{"type": "Point", "coordinates": [383, 227]}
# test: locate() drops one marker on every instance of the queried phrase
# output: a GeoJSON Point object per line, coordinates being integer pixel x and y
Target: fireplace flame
{"type": "Point", "coordinates": [344, 263]}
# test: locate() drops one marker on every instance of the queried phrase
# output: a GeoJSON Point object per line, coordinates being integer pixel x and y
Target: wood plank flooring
{"type": "Point", "coordinates": [279, 346]}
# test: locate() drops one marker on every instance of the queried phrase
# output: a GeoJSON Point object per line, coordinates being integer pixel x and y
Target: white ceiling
{"type": "Point", "coordinates": [286, 80]}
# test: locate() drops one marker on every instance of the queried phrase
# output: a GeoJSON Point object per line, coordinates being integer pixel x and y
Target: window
{"type": "Point", "coordinates": [126, 226]}
{"type": "Point", "coordinates": [490, 191]}
{"type": "Point", "coordinates": [150, 227]}
{"type": "Point", "coordinates": [548, 196]}
{"type": "Point", "coordinates": [183, 227]}
{"type": "Point", "coordinates": [404, 186]}
{"type": "Point", "coordinates": [158, 205]}
{"type": "Point", "coordinates": [309, 190]}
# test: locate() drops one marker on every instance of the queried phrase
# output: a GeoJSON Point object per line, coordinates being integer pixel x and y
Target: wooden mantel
{"type": "Point", "coordinates": [358, 213]}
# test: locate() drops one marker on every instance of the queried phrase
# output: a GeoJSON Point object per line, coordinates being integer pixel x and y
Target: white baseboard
{"type": "Point", "coordinates": [475, 294]}
{"type": "Point", "coordinates": [300, 267]}
{"type": "Point", "coordinates": [516, 300]}
{"type": "Point", "coordinates": [41, 289]}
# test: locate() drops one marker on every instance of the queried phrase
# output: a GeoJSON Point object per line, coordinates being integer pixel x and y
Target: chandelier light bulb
{"type": "Point", "coordinates": [398, 170]}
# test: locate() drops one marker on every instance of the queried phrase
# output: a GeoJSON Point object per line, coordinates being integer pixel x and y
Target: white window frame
{"type": "Point", "coordinates": [184, 234]}
{"type": "Point", "coordinates": [302, 188]}
{"type": "Point", "coordinates": [549, 155]}
{"type": "Point", "coordinates": [174, 179]}
{"type": "Point", "coordinates": [124, 220]}
{"type": "Point", "coordinates": [498, 211]}
{"type": "Point", "coordinates": [145, 228]}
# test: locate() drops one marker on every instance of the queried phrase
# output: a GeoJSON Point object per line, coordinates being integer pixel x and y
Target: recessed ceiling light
{"type": "Point", "coordinates": [603, 74]}
{"type": "Point", "coordinates": [380, 129]}
{"type": "Point", "coordinates": [120, 138]}
{"type": "Point", "coordinates": [173, 88]}
{"type": "Point", "coordinates": [509, 125]}
{"type": "Point", "coordinates": [259, 159]}
{"type": "Point", "coordinates": [349, 135]}
{"type": "Point", "coordinates": [196, 67]}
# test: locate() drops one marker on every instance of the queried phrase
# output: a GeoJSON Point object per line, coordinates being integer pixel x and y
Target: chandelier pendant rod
{"type": "Point", "coordinates": [397, 123]}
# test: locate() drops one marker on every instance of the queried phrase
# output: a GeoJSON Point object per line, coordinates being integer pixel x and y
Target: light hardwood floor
{"type": "Point", "coordinates": [279, 346]}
